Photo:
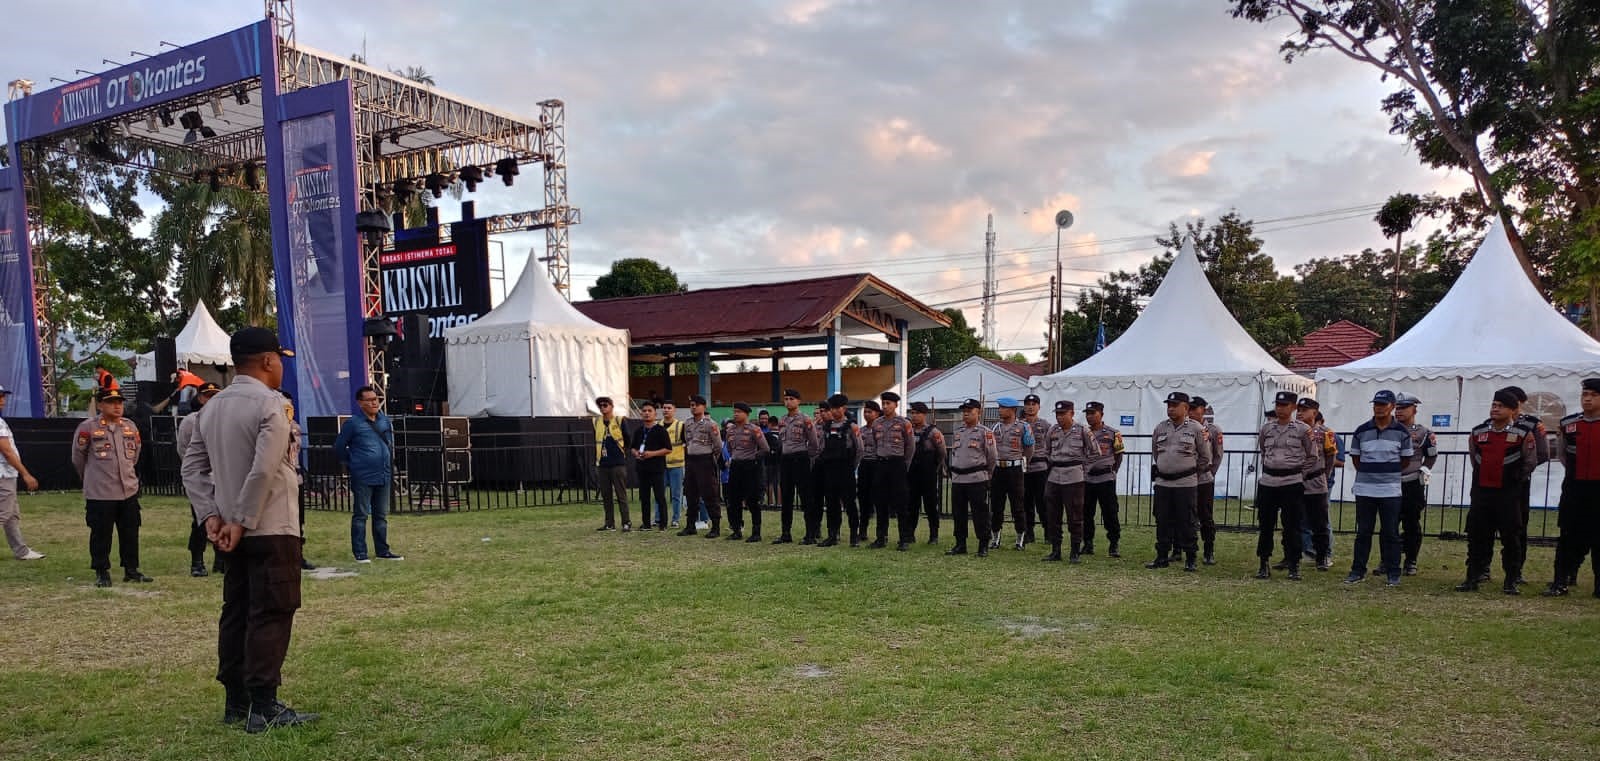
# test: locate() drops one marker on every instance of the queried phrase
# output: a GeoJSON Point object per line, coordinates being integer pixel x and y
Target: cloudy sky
{"type": "Point", "coordinates": [741, 141]}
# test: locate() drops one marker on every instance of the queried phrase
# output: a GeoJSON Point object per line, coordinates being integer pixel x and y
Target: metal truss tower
{"type": "Point", "coordinates": [989, 284]}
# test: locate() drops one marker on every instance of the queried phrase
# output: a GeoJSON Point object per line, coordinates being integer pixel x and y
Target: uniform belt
{"type": "Point", "coordinates": [1010, 463]}
{"type": "Point", "coordinates": [705, 456]}
{"type": "Point", "coordinates": [1039, 459]}
{"type": "Point", "coordinates": [1065, 463]}
{"type": "Point", "coordinates": [964, 471]}
{"type": "Point", "coordinates": [1279, 471]}
{"type": "Point", "coordinates": [1174, 475]}
{"type": "Point", "coordinates": [738, 463]}
{"type": "Point", "coordinates": [1100, 471]}
{"type": "Point", "coordinates": [787, 455]}
{"type": "Point", "coordinates": [874, 459]}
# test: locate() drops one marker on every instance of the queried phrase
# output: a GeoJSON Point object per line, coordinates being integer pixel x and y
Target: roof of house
{"type": "Point", "coordinates": [1336, 344]}
{"type": "Point", "coordinates": [761, 311]}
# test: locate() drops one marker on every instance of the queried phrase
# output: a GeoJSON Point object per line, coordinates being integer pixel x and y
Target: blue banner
{"type": "Point", "coordinates": [19, 336]}
{"type": "Point", "coordinates": [316, 250]}
{"type": "Point", "coordinates": [206, 65]}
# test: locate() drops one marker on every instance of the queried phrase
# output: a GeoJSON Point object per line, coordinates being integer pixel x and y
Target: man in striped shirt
{"type": "Point", "coordinates": [1380, 449]}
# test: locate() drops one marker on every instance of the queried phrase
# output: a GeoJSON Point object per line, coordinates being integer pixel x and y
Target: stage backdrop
{"type": "Point", "coordinates": [314, 246]}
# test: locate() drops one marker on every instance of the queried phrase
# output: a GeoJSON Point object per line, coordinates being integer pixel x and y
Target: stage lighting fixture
{"type": "Point", "coordinates": [216, 106]}
{"type": "Point", "coordinates": [507, 169]}
{"type": "Point", "coordinates": [379, 327]}
{"type": "Point", "coordinates": [166, 117]}
{"type": "Point", "coordinates": [150, 124]}
{"type": "Point", "coordinates": [394, 139]}
{"type": "Point", "coordinates": [402, 191]}
{"type": "Point", "coordinates": [252, 176]}
{"type": "Point", "coordinates": [436, 183]}
{"type": "Point", "coordinates": [471, 176]}
{"type": "Point", "coordinates": [190, 120]}
{"type": "Point", "coordinates": [241, 95]}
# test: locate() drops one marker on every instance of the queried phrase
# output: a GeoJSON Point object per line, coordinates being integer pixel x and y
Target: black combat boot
{"type": "Point", "coordinates": [716, 529]}
{"type": "Point", "coordinates": [1188, 561]}
{"type": "Point", "coordinates": [878, 544]}
{"type": "Point", "coordinates": [1281, 565]}
{"type": "Point", "coordinates": [1160, 561]}
{"type": "Point", "coordinates": [688, 528]}
{"type": "Point", "coordinates": [102, 578]}
{"type": "Point", "coordinates": [1211, 553]}
{"type": "Point", "coordinates": [267, 712]}
{"type": "Point", "coordinates": [1055, 553]}
{"type": "Point", "coordinates": [983, 549]}
{"type": "Point", "coordinates": [903, 546]}
{"type": "Point", "coordinates": [737, 534]}
{"type": "Point", "coordinates": [1263, 572]}
{"type": "Point", "coordinates": [197, 569]}
{"type": "Point", "coordinates": [1556, 589]}
{"type": "Point", "coordinates": [235, 704]}
{"type": "Point", "coordinates": [1088, 546]}
{"type": "Point", "coordinates": [1510, 586]}
{"type": "Point", "coordinates": [134, 574]}
{"type": "Point", "coordinates": [1294, 571]}
{"type": "Point", "coordinates": [959, 549]}
{"type": "Point", "coordinates": [1470, 585]}
{"type": "Point", "coordinates": [1074, 556]}
{"type": "Point", "coordinates": [783, 539]}
{"type": "Point", "coordinates": [1111, 551]}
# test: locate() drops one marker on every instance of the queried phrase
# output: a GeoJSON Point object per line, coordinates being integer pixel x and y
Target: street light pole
{"type": "Point", "coordinates": [1063, 221]}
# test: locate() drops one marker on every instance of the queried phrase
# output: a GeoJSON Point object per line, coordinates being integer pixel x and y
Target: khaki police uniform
{"type": "Point", "coordinates": [748, 446]}
{"type": "Point", "coordinates": [702, 442]}
{"type": "Point", "coordinates": [1100, 488]}
{"type": "Point", "coordinates": [896, 445]}
{"type": "Point", "coordinates": [866, 479]}
{"type": "Point", "coordinates": [972, 462]}
{"type": "Point", "coordinates": [1179, 452]}
{"type": "Point", "coordinates": [1014, 445]}
{"type": "Point", "coordinates": [1286, 448]}
{"type": "Point", "coordinates": [1205, 491]}
{"type": "Point", "coordinates": [1414, 493]}
{"type": "Point", "coordinates": [927, 469]}
{"type": "Point", "coordinates": [1038, 471]}
{"type": "Point", "coordinates": [106, 455]}
{"type": "Point", "coordinates": [1317, 472]}
{"type": "Point", "coordinates": [1070, 449]}
{"type": "Point", "coordinates": [797, 436]}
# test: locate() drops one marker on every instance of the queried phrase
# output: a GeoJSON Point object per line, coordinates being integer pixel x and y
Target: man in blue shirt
{"type": "Point", "coordinates": [366, 446]}
{"type": "Point", "coordinates": [1379, 449]}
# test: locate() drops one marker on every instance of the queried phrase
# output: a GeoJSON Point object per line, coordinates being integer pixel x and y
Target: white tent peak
{"type": "Point", "coordinates": [1184, 330]}
{"type": "Point", "coordinates": [1492, 322]}
{"type": "Point", "coordinates": [535, 299]}
{"type": "Point", "coordinates": [202, 340]}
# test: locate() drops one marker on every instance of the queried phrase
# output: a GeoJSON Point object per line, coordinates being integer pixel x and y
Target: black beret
{"type": "Point", "coordinates": [1506, 397]}
{"type": "Point", "coordinates": [791, 392]}
{"type": "Point", "coordinates": [1591, 384]}
{"type": "Point", "coordinates": [696, 399]}
{"type": "Point", "coordinates": [838, 400]}
{"type": "Point", "coordinates": [919, 407]}
{"type": "Point", "coordinates": [889, 396]}
{"type": "Point", "coordinates": [871, 405]}
{"type": "Point", "coordinates": [1196, 401]}
{"type": "Point", "coordinates": [741, 406]}
{"type": "Point", "coordinates": [1522, 396]}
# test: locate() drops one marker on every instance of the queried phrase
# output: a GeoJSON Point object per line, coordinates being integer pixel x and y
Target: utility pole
{"type": "Point", "coordinates": [1063, 221]}
{"type": "Point", "coordinates": [988, 285]}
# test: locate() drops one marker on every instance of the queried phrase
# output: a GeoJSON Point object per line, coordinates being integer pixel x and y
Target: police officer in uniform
{"type": "Point", "coordinates": [1014, 443]}
{"type": "Point", "coordinates": [1178, 452]}
{"type": "Point", "coordinates": [1038, 466]}
{"type": "Point", "coordinates": [1205, 494]}
{"type": "Point", "coordinates": [1502, 458]}
{"type": "Point", "coordinates": [747, 447]}
{"type": "Point", "coordinates": [1286, 447]}
{"type": "Point", "coordinates": [972, 462]}
{"type": "Point", "coordinates": [797, 436]}
{"type": "Point", "coordinates": [1315, 479]}
{"type": "Point", "coordinates": [1100, 482]}
{"type": "Point", "coordinates": [865, 472]}
{"type": "Point", "coordinates": [197, 531]}
{"type": "Point", "coordinates": [896, 444]}
{"type": "Point", "coordinates": [1070, 447]}
{"type": "Point", "coordinates": [105, 452]}
{"type": "Point", "coordinates": [702, 442]}
{"type": "Point", "coordinates": [818, 483]}
{"type": "Point", "coordinates": [1578, 444]}
{"type": "Point", "coordinates": [840, 455]}
{"type": "Point", "coordinates": [1532, 426]}
{"type": "Point", "coordinates": [927, 468]}
{"type": "Point", "coordinates": [1414, 479]}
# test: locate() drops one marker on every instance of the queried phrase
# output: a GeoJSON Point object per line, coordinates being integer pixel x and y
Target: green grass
{"type": "Point", "coordinates": [550, 640]}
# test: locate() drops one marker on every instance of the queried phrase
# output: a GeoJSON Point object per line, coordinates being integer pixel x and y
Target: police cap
{"type": "Point", "coordinates": [972, 404]}
{"type": "Point", "coordinates": [108, 395]}
{"type": "Point", "coordinates": [253, 340]}
{"type": "Point", "coordinates": [1589, 384]}
{"type": "Point", "coordinates": [1063, 406]}
{"type": "Point", "coordinates": [1307, 403]}
{"type": "Point", "coordinates": [1177, 397]}
{"type": "Point", "coordinates": [1384, 396]}
{"type": "Point", "coordinates": [1007, 402]}
{"type": "Point", "coordinates": [1403, 399]}
{"type": "Point", "coordinates": [1195, 402]}
{"type": "Point", "coordinates": [921, 407]}
{"type": "Point", "coordinates": [5, 391]}
{"type": "Point", "coordinates": [1286, 397]}
{"type": "Point", "coordinates": [1030, 399]}
{"type": "Point", "coordinates": [208, 388]}
{"type": "Point", "coordinates": [1094, 407]}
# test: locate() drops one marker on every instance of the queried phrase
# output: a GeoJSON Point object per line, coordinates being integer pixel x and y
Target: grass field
{"type": "Point", "coordinates": [524, 634]}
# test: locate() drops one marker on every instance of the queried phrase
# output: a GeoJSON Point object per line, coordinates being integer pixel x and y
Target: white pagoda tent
{"type": "Point", "coordinates": [1493, 329]}
{"type": "Point", "coordinates": [534, 355]}
{"type": "Point", "coordinates": [1184, 340]}
{"type": "Point", "coordinates": [202, 347]}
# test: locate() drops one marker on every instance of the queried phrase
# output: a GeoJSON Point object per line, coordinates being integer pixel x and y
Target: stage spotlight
{"type": "Point", "coordinates": [207, 132]}
{"type": "Point", "coordinates": [150, 124]}
{"type": "Point", "coordinates": [507, 169]}
{"type": "Point", "coordinates": [241, 95]}
{"type": "Point", "coordinates": [166, 117]}
{"type": "Point", "coordinates": [394, 139]}
{"type": "Point", "coordinates": [471, 176]}
{"type": "Point", "coordinates": [436, 183]}
{"type": "Point", "coordinates": [403, 190]}
{"type": "Point", "coordinates": [216, 107]}
{"type": "Point", "coordinates": [190, 120]}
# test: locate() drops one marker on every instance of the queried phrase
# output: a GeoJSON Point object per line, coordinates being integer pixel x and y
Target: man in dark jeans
{"type": "Point", "coordinates": [649, 448]}
{"type": "Point", "coordinates": [1380, 449]}
{"type": "Point", "coordinates": [366, 446]}
{"type": "Point", "coordinates": [610, 462]}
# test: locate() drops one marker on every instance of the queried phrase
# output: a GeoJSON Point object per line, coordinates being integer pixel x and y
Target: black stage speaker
{"type": "Point", "coordinates": [166, 364]}
{"type": "Point", "coordinates": [439, 466]}
{"type": "Point", "coordinates": [429, 432]}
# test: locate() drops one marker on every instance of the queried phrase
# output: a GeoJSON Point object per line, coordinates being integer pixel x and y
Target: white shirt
{"type": "Point", "coordinates": [6, 471]}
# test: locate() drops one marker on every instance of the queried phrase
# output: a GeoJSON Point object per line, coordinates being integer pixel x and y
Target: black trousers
{"type": "Point", "coordinates": [701, 482]}
{"type": "Point", "coordinates": [1205, 522]}
{"type": "Point", "coordinates": [1413, 496]}
{"type": "Point", "coordinates": [889, 488]}
{"type": "Point", "coordinates": [865, 483]}
{"type": "Point", "coordinates": [1101, 496]}
{"type": "Point", "coordinates": [104, 515]}
{"type": "Point", "coordinates": [1316, 518]}
{"type": "Point", "coordinates": [652, 483]}
{"type": "Point", "coordinates": [818, 486]}
{"type": "Point", "coordinates": [745, 490]}
{"type": "Point", "coordinates": [198, 541]}
{"type": "Point", "coordinates": [795, 480]}
{"type": "Point", "coordinates": [838, 492]}
{"type": "Point", "coordinates": [923, 495]}
{"type": "Point", "coordinates": [1579, 521]}
{"type": "Point", "coordinates": [1033, 496]}
{"type": "Point", "coordinates": [1495, 510]}
{"type": "Point", "coordinates": [260, 593]}
{"type": "Point", "coordinates": [1271, 503]}
{"type": "Point", "coordinates": [1174, 509]}
{"type": "Point", "coordinates": [970, 502]}
{"type": "Point", "coordinates": [1007, 486]}
{"type": "Point", "coordinates": [1063, 501]}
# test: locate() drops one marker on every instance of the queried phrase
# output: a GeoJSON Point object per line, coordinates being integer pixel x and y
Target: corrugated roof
{"type": "Point", "coordinates": [766, 310]}
{"type": "Point", "coordinates": [1336, 344]}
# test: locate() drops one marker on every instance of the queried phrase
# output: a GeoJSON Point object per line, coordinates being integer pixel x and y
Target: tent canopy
{"type": "Point", "coordinates": [201, 342]}
{"type": "Point", "coordinates": [1492, 323]}
{"type": "Point", "coordinates": [534, 355]}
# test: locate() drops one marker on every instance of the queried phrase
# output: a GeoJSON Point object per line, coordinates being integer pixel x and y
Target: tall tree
{"type": "Point", "coordinates": [1501, 88]}
{"type": "Point", "coordinates": [945, 347]}
{"type": "Point", "coordinates": [636, 277]}
{"type": "Point", "coordinates": [1356, 287]}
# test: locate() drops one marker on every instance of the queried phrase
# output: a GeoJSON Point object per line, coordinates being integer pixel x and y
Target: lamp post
{"type": "Point", "coordinates": [1063, 221]}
